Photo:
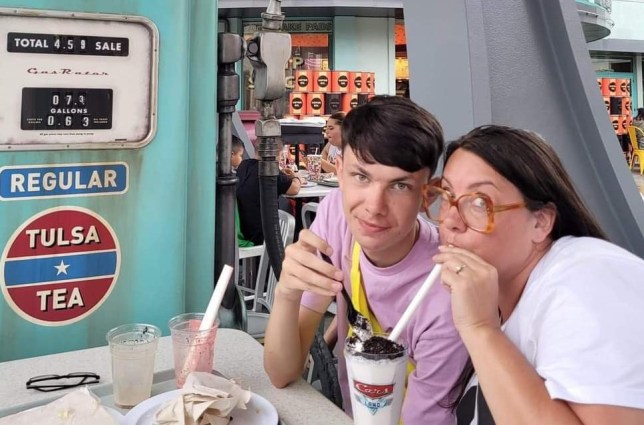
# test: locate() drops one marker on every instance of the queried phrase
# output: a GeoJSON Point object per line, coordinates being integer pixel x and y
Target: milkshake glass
{"type": "Point", "coordinates": [377, 385]}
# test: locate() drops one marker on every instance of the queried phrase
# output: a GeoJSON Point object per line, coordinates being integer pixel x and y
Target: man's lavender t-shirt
{"type": "Point", "coordinates": [434, 344]}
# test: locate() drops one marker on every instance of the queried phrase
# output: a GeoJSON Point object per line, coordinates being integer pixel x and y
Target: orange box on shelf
{"type": "Point", "coordinates": [612, 86]}
{"type": "Point", "coordinates": [349, 101]}
{"type": "Point", "coordinates": [369, 81]}
{"type": "Point", "coordinates": [332, 103]}
{"type": "Point", "coordinates": [626, 106]}
{"type": "Point", "coordinates": [607, 103]}
{"type": "Point", "coordinates": [340, 81]}
{"type": "Point", "coordinates": [321, 81]}
{"type": "Point", "coordinates": [605, 86]}
{"type": "Point", "coordinates": [599, 82]}
{"type": "Point", "coordinates": [623, 123]}
{"type": "Point", "coordinates": [303, 80]}
{"type": "Point", "coordinates": [314, 103]}
{"type": "Point", "coordinates": [296, 103]}
{"type": "Point", "coordinates": [355, 82]}
{"type": "Point", "coordinates": [614, 120]}
{"type": "Point", "coordinates": [622, 86]}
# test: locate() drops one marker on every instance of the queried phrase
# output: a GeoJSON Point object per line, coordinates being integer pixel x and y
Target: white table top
{"type": "Point", "coordinates": [237, 355]}
{"type": "Point", "coordinates": [319, 191]}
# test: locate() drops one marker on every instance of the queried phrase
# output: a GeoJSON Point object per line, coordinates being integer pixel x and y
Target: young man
{"type": "Point", "coordinates": [380, 249]}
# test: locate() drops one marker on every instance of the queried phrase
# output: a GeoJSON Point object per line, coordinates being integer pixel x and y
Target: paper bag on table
{"type": "Point", "coordinates": [205, 399]}
{"type": "Point", "coordinates": [77, 407]}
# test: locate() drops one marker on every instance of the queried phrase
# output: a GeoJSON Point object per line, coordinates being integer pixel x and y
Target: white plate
{"type": "Point", "coordinates": [331, 180]}
{"type": "Point", "coordinates": [308, 184]}
{"type": "Point", "coordinates": [259, 411]}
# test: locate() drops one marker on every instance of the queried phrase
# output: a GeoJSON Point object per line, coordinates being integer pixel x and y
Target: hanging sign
{"type": "Point", "coordinates": [60, 266]}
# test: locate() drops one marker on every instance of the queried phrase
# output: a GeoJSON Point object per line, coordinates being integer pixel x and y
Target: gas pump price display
{"type": "Point", "coordinates": [60, 108]}
{"type": "Point", "coordinates": [67, 44]}
{"type": "Point", "coordinates": [72, 80]}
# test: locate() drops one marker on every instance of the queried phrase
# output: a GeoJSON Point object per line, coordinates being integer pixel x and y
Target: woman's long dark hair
{"type": "Point", "coordinates": [530, 164]}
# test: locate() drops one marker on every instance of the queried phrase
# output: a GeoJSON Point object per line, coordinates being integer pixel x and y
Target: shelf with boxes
{"type": "Point", "coordinates": [616, 93]}
{"type": "Point", "coordinates": [322, 93]}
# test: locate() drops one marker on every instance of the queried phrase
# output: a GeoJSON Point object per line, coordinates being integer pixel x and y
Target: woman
{"type": "Point", "coordinates": [333, 134]}
{"type": "Point", "coordinates": [638, 122]}
{"type": "Point", "coordinates": [549, 311]}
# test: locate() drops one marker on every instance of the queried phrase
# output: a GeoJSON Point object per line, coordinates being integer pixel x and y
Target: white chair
{"type": "Point", "coordinates": [265, 287]}
{"type": "Point", "coordinates": [308, 213]}
{"type": "Point", "coordinates": [247, 261]}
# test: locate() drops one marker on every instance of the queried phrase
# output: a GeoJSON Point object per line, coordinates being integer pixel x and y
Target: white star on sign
{"type": "Point", "coordinates": [62, 268]}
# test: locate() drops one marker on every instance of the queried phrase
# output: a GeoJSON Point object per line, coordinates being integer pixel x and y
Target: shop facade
{"type": "Point", "coordinates": [329, 36]}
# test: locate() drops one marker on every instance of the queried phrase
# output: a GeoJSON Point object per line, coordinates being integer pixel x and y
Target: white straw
{"type": "Point", "coordinates": [415, 302]}
{"type": "Point", "coordinates": [216, 298]}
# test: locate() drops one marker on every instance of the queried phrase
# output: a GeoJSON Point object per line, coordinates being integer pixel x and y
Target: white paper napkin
{"type": "Point", "coordinates": [76, 408]}
{"type": "Point", "coordinates": [205, 399]}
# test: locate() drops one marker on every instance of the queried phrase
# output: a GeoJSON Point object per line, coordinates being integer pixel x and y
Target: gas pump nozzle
{"type": "Point", "coordinates": [268, 52]}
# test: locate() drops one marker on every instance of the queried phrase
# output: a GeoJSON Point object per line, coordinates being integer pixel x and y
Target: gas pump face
{"type": "Point", "coordinates": [70, 82]}
{"type": "Point", "coordinates": [76, 81]}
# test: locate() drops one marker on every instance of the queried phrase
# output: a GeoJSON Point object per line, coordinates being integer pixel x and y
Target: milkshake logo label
{"type": "Point", "coordinates": [303, 81]}
{"type": "Point", "coordinates": [373, 397]}
{"type": "Point", "coordinates": [60, 266]}
{"type": "Point", "coordinates": [297, 103]}
{"type": "Point", "coordinates": [316, 103]}
{"type": "Point", "coordinates": [323, 81]}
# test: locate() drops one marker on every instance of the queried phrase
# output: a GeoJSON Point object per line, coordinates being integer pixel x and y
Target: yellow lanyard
{"type": "Point", "coordinates": [359, 299]}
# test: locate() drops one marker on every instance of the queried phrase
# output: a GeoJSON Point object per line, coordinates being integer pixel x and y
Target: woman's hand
{"type": "Point", "coordinates": [474, 286]}
{"type": "Point", "coordinates": [303, 270]}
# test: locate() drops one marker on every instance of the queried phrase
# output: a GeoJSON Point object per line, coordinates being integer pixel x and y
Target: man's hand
{"type": "Point", "coordinates": [303, 270]}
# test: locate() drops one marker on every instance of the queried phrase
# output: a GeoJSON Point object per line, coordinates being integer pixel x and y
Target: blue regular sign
{"type": "Point", "coordinates": [56, 181]}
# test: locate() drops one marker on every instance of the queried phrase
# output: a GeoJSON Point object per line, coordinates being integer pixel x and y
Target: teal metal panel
{"type": "Point", "coordinates": [165, 221]}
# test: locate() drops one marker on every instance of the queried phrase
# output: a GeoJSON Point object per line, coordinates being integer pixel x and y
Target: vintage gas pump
{"type": "Point", "coordinates": [268, 51]}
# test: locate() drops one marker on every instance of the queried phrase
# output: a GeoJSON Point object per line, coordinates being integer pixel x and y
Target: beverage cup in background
{"type": "Point", "coordinates": [193, 350]}
{"type": "Point", "coordinates": [377, 386]}
{"type": "Point", "coordinates": [133, 348]}
{"type": "Point", "coordinates": [314, 166]}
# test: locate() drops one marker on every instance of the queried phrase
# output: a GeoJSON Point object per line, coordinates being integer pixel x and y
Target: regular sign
{"type": "Point", "coordinates": [60, 266]}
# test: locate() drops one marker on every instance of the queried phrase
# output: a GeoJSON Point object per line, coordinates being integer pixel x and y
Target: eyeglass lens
{"type": "Point", "coordinates": [473, 209]}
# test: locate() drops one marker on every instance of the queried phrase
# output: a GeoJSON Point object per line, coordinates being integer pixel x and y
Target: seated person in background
{"type": "Point", "coordinates": [237, 155]}
{"type": "Point", "coordinates": [370, 229]}
{"type": "Point", "coordinates": [638, 122]}
{"type": "Point", "coordinates": [333, 134]}
{"type": "Point", "coordinates": [550, 312]}
{"type": "Point", "coordinates": [248, 197]}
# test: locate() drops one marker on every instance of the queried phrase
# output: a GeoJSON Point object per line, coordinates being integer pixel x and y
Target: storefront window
{"type": "Point", "coordinates": [613, 62]}
{"type": "Point", "coordinates": [310, 50]}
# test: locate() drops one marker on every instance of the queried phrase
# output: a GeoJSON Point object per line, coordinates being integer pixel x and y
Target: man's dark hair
{"type": "Point", "coordinates": [393, 131]}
